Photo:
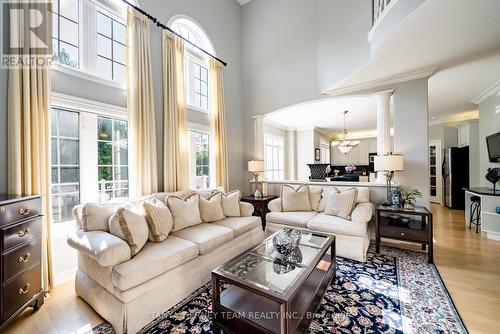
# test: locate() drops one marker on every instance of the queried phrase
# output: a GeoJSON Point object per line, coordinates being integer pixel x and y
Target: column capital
{"type": "Point", "coordinates": [258, 116]}
{"type": "Point", "coordinates": [381, 93]}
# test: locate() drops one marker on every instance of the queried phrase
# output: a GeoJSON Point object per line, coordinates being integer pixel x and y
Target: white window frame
{"type": "Point", "coordinates": [324, 146]}
{"type": "Point", "coordinates": [275, 165]}
{"type": "Point", "coordinates": [89, 110]}
{"type": "Point", "coordinates": [192, 154]}
{"type": "Point", "coordinates": [87, 47]}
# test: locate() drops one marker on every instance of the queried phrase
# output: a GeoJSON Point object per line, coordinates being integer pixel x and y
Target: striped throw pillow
{"type": "Point", "coordinates": [159, 219]}
{"type": "Point", "coordinates": [211, 208]}
{"type": "Point", "coordinates": [341, 204]}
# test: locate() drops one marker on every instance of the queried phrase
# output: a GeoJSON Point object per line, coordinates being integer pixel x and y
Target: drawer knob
{"type": "Point", "coordinates": [23, 233]}
{"type": "Point", "coordinates": [402, 234]}
{"type": "Point", "coordinates": [25, 211]}
{"type": "Point", "coordinates": [24, 290]}
{"type": "Point", "coordinates": [24, 259]}
{"type": "Point", "coordinates": [2, 209]}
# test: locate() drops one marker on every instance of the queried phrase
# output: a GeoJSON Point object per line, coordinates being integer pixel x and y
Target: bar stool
{"type": "Point", "coordinates": [475, 212]}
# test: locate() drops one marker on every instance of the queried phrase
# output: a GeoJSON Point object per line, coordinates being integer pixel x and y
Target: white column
{"type": "Point", "coordinates": [259, 137]}
{"type": "Point", "coordinates": [383, 102]}
{"type": "Point", "coordinates": [291, 155]}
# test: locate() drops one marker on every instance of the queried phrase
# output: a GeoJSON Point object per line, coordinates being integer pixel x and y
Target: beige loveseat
{"type": "Point", "coordinates": [130, 292]}
{"type": "Point", "coordinates": [352, 236]}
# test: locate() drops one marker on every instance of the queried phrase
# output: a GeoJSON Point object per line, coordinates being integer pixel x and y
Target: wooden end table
{"type": "Point", "coordinates": [260, 206]}
{"type": "Point", "coordinates": [417, 229]}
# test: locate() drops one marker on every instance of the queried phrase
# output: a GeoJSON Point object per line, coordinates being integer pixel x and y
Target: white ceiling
{"type": "Point", "coordinates": [327, 114]}
{"type": "Point", "coordinates": [458, 37]}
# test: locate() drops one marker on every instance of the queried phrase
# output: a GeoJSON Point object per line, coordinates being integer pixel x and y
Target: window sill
{"type": "Point", "coordinates": [87, 76]}
{"type": "Point", "coordinates": [189, 106]}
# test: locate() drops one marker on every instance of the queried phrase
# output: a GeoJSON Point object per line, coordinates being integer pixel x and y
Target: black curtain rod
{"type": "Point", "coordinates": [161, 25]}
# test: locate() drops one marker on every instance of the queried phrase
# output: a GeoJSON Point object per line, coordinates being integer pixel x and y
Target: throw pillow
{"type": "Point", "coordinates": [295, 199]}
{"type": "Point", "coordinates": [315, 197]}
{"type": "Point", "coordinates": [231, 203]}
{"type": "Point", "coordinates": [95, 217]}
{"type": "Point", "coordinates": [341, 204]}
{"type": "Point", "coordinates": [131, 227]}
{"type": "Point", "coordinates": [159, 219]}
{"type": "Point", "coordinates": [185, 211]}
{"type": "Point", "coordinates": [211, 208]}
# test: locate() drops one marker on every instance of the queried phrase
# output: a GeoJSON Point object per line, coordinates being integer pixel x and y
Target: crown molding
{"type": "Point", "coordinates": [489, 92]}
{"type": "Point", "coordinates": [383, 82]}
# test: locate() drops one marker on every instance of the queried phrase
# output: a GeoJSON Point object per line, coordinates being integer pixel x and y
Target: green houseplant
{"type": "Point", "coordinates": [409, 196]}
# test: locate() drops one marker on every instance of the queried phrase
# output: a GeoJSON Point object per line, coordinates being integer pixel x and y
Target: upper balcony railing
{"type": "Point", "coordinates": [379, 8]}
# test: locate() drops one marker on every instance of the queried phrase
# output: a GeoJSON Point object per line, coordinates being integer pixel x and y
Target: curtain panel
{"type": "Point", "coordinates": [140, 104]}
{"type": "Point", "coordinates": [29, 132]}
{"type": "Point", "coordinates": [175, 166]}
{"type": "Point", "coordinates": [218, 124]}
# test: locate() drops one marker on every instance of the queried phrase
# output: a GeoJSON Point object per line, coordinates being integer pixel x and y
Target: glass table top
{"type": "Point", "coordinates": [264, 267]}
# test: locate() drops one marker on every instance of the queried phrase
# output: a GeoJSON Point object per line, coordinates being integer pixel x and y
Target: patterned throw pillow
{"type": "Point", "coordinates": [211, 208]}
{"type": "Point", "coordinates": [231, 203]}
{"type": "Point", "coordinates": [159, 219]}
{"type": "Point", "coordinates": [295, 199]}
{"type": "Point", "coordinates": [341, 204]}
{"type": "Point", "coordinates": [185, 211]}
{"type": "Point", "coordinates": [131, 227]}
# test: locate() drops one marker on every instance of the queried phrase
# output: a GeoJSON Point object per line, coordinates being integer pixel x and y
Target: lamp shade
{"type": "Point", "coordinates": [255, 166]}
{"type": "Point", "coordinates": [389, 162]}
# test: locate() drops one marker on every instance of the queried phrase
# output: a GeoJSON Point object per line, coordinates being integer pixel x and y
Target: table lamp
{"type": "Point", "coordinates": [256, 167]}
{"type": "Point", "coordinates": [389, 163]}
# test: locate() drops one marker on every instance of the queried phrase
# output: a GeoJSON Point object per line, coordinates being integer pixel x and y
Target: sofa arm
{"type": "Point", "coordinates": [104, 247]}
{"type": "Point", "coordinates": [362, 212]}
{"type": "Point", "coordinates": [275, 205]}
{"type": "Point", "coordinates": [246, 209]}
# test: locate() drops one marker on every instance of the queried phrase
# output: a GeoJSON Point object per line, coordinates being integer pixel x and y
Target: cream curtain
{"type": "Point", "coordinates": [29, 135]}
{"type": "Point", "coordinates": [176, 167]}
{"type": "Point", "coordinates": [218, 124]}
{"type": "Point", "coordinates": [140, 103]}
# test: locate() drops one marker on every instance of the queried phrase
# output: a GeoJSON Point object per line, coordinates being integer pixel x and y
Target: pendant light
{"type": "Point", "coordinates": [345, 145]}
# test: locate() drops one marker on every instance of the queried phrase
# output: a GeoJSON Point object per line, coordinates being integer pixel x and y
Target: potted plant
{"type": "Point", "coordinates": [409, 196]}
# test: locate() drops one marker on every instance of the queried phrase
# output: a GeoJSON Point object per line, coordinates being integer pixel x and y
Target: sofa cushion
{"type": "Point", "coordinates": [231, 203]}
{"type": "Point", "coordinates": [207, 236]}
{"type": "Point", "coordinates": [211, 208]}
{"type": "Point", "coordinates": [341, 204]}
{"type": "Point", "coordinates": [240, 225]}
{"type": "Point", "coordinates": [295, 198]}
{"type": "Point", "coordinates": [131, 227]}
{"type": "Point", "coordinates": [337, 225]}
{"type": "Point", "coordinates": [159, 219]}
{"type": "Point", "coordinates": [154, 259]}
{"type": "Point", "coordinates": [185, 211]}
{"type": "Point", "coordinates": [297, 218]}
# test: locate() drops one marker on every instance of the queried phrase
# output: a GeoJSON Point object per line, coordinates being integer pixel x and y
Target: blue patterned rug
{"type": "Point", "coordinates": [396, 291]}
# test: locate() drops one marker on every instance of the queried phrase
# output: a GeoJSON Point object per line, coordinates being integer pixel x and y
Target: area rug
{"type": "Point", "coordinates": [396, 291]}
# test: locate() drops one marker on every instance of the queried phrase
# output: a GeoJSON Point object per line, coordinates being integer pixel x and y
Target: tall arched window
{"type": "Point", "coordinates": [196, 62]}
{"type": "Point", "coordinates": [197, 93]}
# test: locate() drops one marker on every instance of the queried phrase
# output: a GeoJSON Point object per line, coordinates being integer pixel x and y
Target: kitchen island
{"type": "Point", "coordinates": [490, 220]}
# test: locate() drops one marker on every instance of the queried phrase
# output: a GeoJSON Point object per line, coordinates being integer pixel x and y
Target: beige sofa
{"type": "Point", "coordinates": [352, 236]}
{"type": "Point", "coordinates": [130, 292]}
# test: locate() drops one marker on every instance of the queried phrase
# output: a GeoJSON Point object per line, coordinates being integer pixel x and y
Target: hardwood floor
{"type": "Point", "coordinates": [468, 264]}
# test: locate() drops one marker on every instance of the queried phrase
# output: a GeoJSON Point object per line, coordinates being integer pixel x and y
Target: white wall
{"type": "Point", "coordinates": [304, 153]}
{"type": "Point", "coordinates": [489, 123]}
{"type": "Point", "coordinates": [446, 133]}
{"type": "Point", "coordinates": [293, 49]}
{"type": "Point", "coordinates": [411, 135]}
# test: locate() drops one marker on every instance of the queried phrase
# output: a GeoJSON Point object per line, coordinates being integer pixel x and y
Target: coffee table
{"type": "Point", "coordinates": [259, 292]}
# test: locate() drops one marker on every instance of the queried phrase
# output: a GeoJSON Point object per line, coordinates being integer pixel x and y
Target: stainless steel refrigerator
{"type": "Point", "coordinates": [455, 176]}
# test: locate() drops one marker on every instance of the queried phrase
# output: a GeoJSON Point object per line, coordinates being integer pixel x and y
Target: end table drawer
{"type": "Point", "coordinates": [403, 233]}
{"type": "Point", "coordinates": [21, 258]}
{"type": "Point", "coordinates": [20, 210]}
{"type": "Point", "coordinates": [21, 233]}
{"type": "Point", "coordinates": [19, 290]}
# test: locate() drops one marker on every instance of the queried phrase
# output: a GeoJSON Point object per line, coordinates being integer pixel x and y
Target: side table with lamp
{"type": "Point", "coordinates": [259, 199]}
{"type": "Point", "coordinates": [389, 163]}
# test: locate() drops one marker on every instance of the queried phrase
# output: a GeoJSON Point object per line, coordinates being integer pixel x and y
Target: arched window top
{"type": "Point", "coordinates": [193, 32]}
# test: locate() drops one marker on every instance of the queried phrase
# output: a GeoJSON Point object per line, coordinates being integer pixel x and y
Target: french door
{"type": "Point", "coordinates": [435, 172]}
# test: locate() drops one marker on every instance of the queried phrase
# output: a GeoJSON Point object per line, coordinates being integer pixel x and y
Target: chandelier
{"type": "Point", "coordinates": [345, 145]}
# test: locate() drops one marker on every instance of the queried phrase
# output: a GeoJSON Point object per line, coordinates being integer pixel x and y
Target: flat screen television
{"type": "Point", "coordinates": [493, 143]}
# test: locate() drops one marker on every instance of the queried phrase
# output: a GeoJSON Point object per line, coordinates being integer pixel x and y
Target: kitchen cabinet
{"type": "Point", "coordinates": [463, 135]}
{"type": "Point", "coordinates": [356, 156]}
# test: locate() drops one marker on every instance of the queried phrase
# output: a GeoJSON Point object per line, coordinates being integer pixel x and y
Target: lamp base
{"type": "Point", "coordinates": [257, 193]}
